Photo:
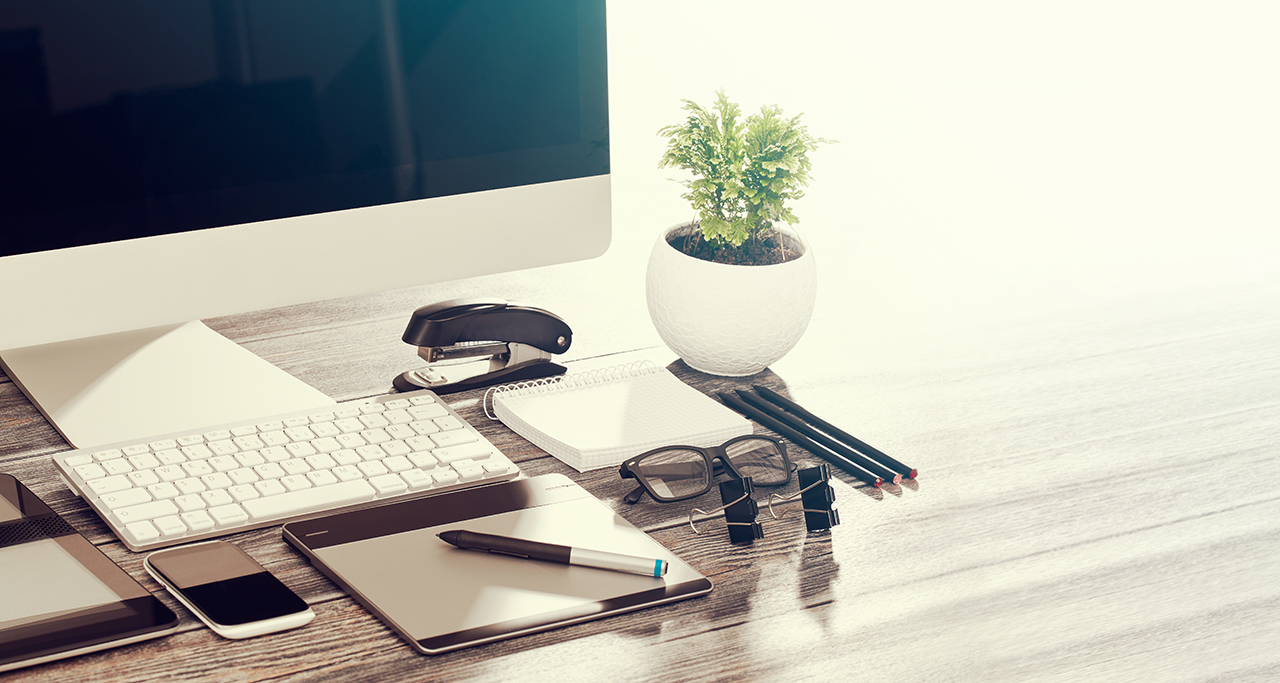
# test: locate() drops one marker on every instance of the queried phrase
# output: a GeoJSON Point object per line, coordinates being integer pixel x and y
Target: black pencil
{"type": "Point", "coordinates": [850, 440]}
{"type": "Point", "coordinates": [800, 439]}
{"type": "Point", "coordinates": [799, 425]}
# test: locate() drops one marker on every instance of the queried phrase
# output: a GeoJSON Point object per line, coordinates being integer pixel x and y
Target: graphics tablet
{"type": "Point", "coordinates": [441, 598]}
{"type": "Point", "coordinates": [62, 596]}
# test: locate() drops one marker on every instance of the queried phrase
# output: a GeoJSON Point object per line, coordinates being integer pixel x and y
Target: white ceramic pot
{"type": "Point", "coordinates": [724, 319]}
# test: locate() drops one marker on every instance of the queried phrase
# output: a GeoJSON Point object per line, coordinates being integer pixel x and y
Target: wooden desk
{"type": "Point", "coordinates": [1097, 501]}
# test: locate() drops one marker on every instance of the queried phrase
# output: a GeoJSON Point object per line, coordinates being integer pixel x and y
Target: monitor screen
{"type": "Point", "coordinates": [136, 118]}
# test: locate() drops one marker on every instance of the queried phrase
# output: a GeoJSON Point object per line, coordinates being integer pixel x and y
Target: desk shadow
{"type": "Point", "coordinates": [818, 571]}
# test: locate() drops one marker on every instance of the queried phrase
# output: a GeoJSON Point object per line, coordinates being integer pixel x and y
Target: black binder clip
{"type": "Point", "coordinates": [816, 495]}
{"type": "Point", "coordinates": [740, 511]}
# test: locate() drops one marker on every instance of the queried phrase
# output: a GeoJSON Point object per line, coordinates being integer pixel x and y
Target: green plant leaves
{"type": "Point", "coordinates": [744, 171]}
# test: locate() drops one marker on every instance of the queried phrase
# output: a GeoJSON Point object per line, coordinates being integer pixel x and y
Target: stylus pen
{"type": "Point", "coordinates": [801, 426]}
{"type": "Point", "coordinates": [549, 552]}
{"type": "Point", "coordinates": [800, 439]}
{"type": "Point", "coordinates": [851, 440]}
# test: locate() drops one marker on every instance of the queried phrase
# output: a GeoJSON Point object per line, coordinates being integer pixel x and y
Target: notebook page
{"type": "Point", "coordinates": [601, 424]}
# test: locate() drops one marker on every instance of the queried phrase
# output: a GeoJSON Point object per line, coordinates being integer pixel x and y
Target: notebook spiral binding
{"type": "Point", "coordinates": [569, 382]}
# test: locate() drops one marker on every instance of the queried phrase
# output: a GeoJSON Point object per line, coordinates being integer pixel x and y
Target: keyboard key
{"type": "Point", "coordinates": [347, 473]}
{"type": "Point", "coordinates": [397, 463]}
{"type": "Point", "coordinates": [375, 435]}
{"type": "Point", "coordinates": [321, 462]}
{"type": "Point", "coordinates": [78, 459]}
{"type": "Point", "coordinates": [197, 452]}
{"type": "Point", "coordinates": [368, 408]}
{"type": "Point", "coordinates": [145, 461]}
{"type": "Point", "coordinates": [170, 473]}
{"type": "Point", "coordinates": [146, 511]}
{"type": "Point", "coordinates": [217, 435]}
{"type": "Point", "coordinates": [445, 477]}
{"type": "Point", "coordinates": [170, 526]}
{"type": "Point", "coordinates": [468, 470]}
{"type": "Point", "coordinates": [471, 451]}
{"type": "Point", "coordinates": [375, 420]}
{"type": "Point", "coordinates": [388, 484]}
{"type": "Point", "coordinates": [397, 447]}
{"type": "Point", "coordinates": [270, 487]}
{"type": "Point", "coordinates": [228, 515]}
{"type": "Point", "coordinates": [137, 449]}
{"type": "Point", "coordinates": [299, 433]}
{"type": "Point", "coordinates": [196, 468]}
{"type": "Point", "coordinates": [250, 458]}
{"type": "Point", "coordinates": [276, 438]}
{"type": "Point", "coordinates": [398, 417]}
{"type": "Point", "coordinates": [246, 430]}
{"type": "Point", "coordinates": [270, 470]}
{"type": "Point", "coordinates": [296, 482]}
{"type": "Point", "coordinates": [216, 498]}
{"type": "Point", "coordinates": [102, 456]}
{"type": "Point", "coordinates": [417, 479]}
{"type": "Point", "coordinates": [223, 447]}
{"type": "Point", "coordinates": [373, 468]}
{"type": "Point", "coordinates": [189, 486]}
{"type": "Point", "coordinates": [217, 480]}
{"type": "Point", "coordinates": [197, 520]}
{"type": "Point", "coordinates": [244, 475]}
{"type": "Point", "coordinates": [397, 403]}
{"type": "Point", "coordinates": [119, 466]}
{"type": "Point", "coordinates": [248, 443]}
{"type": "Point", "coordinates": [190, 503]}
{"type": "Point", "coordinates": [454, 438]}
{"type": "Point", "coordinates": [428, 412]}
{"type": "Point", "coordinates": [101, 487]}
{"type": "Point", "coordinates": [163, 444]}
{"type": "Point", "coordinates": [171, 456]}
{"type": "Point", "coordinates": [125, 498]}
{"type": "Point", "coordinates": [143, 477]}
{"type": "Point", "coordinates": [163, 491]}
{"type": "Point", "coordinates": [142, 532]}
{"type": "Point", "coordinates": [295, 466]}
{"type": "Point", "coordinates": [321, 477]}
{"type": "Point", "coordinates": [275, 454]}
{"type": "Point", "coordinates": [310, 499]}
{"type": "Point", "coordinates": [424, 460]}
{"type": "Point", "coordinates": [224, 463]}
{"type": "Point", "coordinates": [90, 472]}
{"type": "Point", "coordinates": [401, 432]}
{"type": "Point", "coordinates": [301, 449]}
{"type": "Point", "coordinates": [244, 492]}
{"type": "Point", "coordinates": [190, 440]}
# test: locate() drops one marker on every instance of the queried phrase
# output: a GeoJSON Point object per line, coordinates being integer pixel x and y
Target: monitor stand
{"type": "Point", "coordinates": [134, 385]}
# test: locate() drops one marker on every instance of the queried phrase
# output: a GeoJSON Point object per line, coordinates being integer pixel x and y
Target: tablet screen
{"type": "Point", "coordinates": [63, 596]}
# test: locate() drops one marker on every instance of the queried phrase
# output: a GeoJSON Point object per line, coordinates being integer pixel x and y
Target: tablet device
{"type": "Point", "coordinates": [441, 598]}
{"type": "Point", "coordinates": [63, 597]}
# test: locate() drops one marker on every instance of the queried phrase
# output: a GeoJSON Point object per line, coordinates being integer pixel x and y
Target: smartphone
{"type": "Point", "coordinates": [228, 590]}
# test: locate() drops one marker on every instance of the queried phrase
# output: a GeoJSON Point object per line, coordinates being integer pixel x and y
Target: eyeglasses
{"type": "Point", "coordinates": [673, 473]}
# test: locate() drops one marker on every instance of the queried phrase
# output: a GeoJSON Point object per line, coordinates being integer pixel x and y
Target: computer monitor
{"type": "Point", "coordinates": [163, 161]}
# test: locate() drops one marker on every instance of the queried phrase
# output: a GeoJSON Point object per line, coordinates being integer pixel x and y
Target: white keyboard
{"type": "Point", "coordinates": [186, 487]}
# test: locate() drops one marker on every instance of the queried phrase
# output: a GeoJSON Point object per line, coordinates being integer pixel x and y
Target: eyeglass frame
{"type": "Point", "coordinates": [710, 454]}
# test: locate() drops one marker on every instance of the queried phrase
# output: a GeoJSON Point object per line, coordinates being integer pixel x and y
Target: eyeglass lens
{"type": "Point", "coordinates": [674, 473]}
{"type": "Point", "coordinates": [759, 459]}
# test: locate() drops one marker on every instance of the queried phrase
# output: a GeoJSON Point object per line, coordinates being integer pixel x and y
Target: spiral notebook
{"type": "Point", "coordinates": [598, 419]}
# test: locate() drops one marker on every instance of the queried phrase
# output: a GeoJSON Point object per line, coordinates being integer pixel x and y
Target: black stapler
{"type": "Point", "coordinates": [517, 342]}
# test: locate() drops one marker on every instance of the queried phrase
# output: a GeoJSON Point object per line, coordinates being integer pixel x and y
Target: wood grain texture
{"type": "Point", "coordinates": [1099, 498]}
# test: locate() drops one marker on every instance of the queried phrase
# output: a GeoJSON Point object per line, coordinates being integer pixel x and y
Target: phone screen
{"type": "Point", "coordinates": [224, 583]}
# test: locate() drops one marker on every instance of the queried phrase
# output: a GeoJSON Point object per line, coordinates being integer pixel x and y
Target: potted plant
{"type": "Point", "coordinates": [732, 291]}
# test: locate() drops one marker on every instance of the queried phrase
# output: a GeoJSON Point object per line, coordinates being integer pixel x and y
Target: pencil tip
{"type": "Point", "coordinates": [913, 474]}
